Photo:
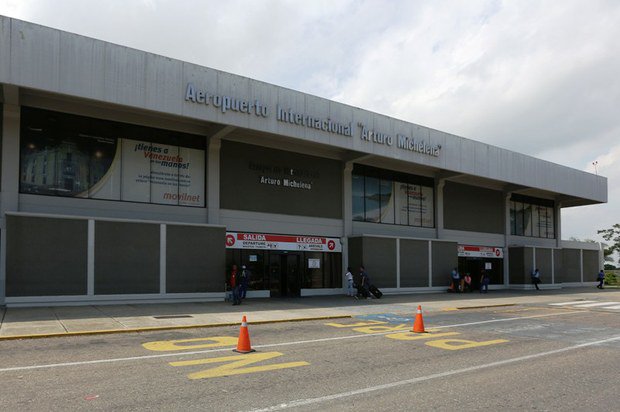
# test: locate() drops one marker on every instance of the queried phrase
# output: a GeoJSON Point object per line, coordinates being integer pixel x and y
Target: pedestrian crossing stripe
{"type": "Point", "coordinates": [572, 303]}
{"type": "Point", "coordinates": [593, 305]}
{"type": "Point", "coordinates": [583, 304]}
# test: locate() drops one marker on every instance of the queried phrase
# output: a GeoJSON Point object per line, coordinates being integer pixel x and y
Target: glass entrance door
{"type": "Point", "coordinates": [284, 276]}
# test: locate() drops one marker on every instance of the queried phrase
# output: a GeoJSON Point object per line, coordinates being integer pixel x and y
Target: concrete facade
{"type": "Point", "coordinates": [252, 131]}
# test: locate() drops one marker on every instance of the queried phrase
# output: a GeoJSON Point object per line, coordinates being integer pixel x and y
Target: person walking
{"type": "Point", "coordinates": [365, 282]}
{"type": "Point", "coordinates": [601, 279]}
{"type": "Point", "coordinates": [536, 278]}
{"type": "Point", "coordinates": [234, 284]}
{"type": "Point", "coordinates": [349, 278]}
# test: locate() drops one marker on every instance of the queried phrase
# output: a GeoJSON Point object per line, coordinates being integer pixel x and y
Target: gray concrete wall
{"type": "Point", "coordinates": [195, 259]}
{"type": "Point", "coordinates": [517, 266]}
{"type": "Point", "coordinates": [543, 263]}
{"type": "Point", "coordinates": [445, 258]}
{"type": "Point", "coordinates": [46, 257]}
{"type": "Point", "coordinates": [126, 258]}
{"type": "Point", "coordinates": [591, 265]}
{"type": "Point", "coordinates": [571, 265]}
{"type": "Point", "coordinates": [243, 166]}
{"type": "Point", "coordinates": [473, 208]}
{"type": "Point", "coordinates": [379, 255]}
{"type": "Point", "coordinates": [414, 263]}
{"type": "Point", "coordinates": [558, 265]}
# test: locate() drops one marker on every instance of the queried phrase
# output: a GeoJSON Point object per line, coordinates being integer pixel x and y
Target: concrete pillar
{"type": "Point", "coordinates": [439, 207]}
{"type": "Point", "coordinates": [507, 234]}
{"type": "Point", "coordinates": [9, 172]}
{"type": "Point", "coordinates": [213, 181]}
{"type": "Point", "coordinates": [347, 213]}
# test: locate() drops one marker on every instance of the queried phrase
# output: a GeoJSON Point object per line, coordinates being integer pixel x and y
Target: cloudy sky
{"type": "Point", "coordinates": [537, 77]}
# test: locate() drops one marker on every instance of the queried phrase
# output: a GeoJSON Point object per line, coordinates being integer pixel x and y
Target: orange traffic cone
{"type": "Point", "coordinates": [418, 324]}
{"type": "Point", "coordinates": [243, 344]}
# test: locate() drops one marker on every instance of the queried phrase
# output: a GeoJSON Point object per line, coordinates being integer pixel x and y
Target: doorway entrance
{"type": "Point", "coordinates": [284, 276]}
{"type": "Point", "coordinates": [475, 265]}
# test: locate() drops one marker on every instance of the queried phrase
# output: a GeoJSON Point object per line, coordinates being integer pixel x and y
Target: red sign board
{"type": "Point", "coordinates": [237, 240]}
{"type": "Point", "coordinates": [480, 251]}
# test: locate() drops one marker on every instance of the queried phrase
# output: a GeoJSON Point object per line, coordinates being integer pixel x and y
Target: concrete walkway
{"type": "Point", "coordinates": [21, 323]}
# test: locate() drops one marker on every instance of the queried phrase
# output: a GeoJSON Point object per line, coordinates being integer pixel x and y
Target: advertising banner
{"type": "Point", "coordinates": [236, 240]}
{"type": "Point", "coordinates": [480, 251]}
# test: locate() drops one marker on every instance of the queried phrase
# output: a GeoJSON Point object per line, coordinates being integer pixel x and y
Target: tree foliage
{"type": "Point", "coordinates": [611, 235]}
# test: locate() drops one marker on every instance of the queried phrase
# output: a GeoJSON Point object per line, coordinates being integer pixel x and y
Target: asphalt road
{"type": "Point", "coordinates": [539, 357]}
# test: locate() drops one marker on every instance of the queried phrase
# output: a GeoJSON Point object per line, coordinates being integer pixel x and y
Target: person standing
{"type": "Point", "coordinates": [536, 278]}
{"type": "Point", "coordinates": [601, 279]}
{"type": "Point", "coordinates": [467, 283]}
{"type": "Point", "coordinates": [485, 279]}
{"type": "Point", "coordinates": [243, 284]}
{"type": "Point", "coordinates": [455, 278]}
{"type": "Point", "coordinates": [349, 278]}
{"type": "Point", "coordinates": [234, 284]}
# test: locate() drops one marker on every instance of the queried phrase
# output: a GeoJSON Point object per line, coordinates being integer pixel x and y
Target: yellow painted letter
{"type": "Point", "coordinates": [456, 344]}
{"type": "Point", "coordinates": [169, 345]}
{"type": "Point", "coordinates": [236, 365]}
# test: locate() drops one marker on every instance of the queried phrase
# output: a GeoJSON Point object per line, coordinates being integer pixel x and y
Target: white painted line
{"type": "Point", "coordinates": [303, 402]}
{"type": "Point", "coordinates": [271, 345]}
{"type": "Point", "coordinates": [612, 307]}
{"type": "Point", "coordinates": [593, 305]}
{"type": "Point", "coordinates": [571, 303]}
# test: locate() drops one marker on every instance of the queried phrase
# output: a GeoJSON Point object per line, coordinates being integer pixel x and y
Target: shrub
{"type": "Point", "coordinates": [610, 278]}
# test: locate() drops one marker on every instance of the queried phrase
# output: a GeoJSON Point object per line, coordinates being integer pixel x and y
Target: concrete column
{"type": "Point", "coordinates": [9, 172]}
{"type": "Point", "coordinates": [397, 263]}
{"type": "Point", "coordinates": [507, 234]}
{"type": "Point", "coordinates": [347, 213]}
{"type": "Point", "coordinates": [162, 259]}
{"type": "Point", "coordinates": [430, 263]}
{"type": "Point", "coordinates": [213, 181]}
{"type": "Point", "coordinates": [439, 207]}
{"type": "Point", "coordinates": [558, 223]}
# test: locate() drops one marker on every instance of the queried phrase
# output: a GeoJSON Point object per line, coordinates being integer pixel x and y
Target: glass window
{"type": "Point", "coordinates": [426, 207]}
{"type": "Point", "coordinates": [550, 225]}
{"type": "Point", "coordinates": [358, 197]}
{"type": "Point", "coordinates": [77, 156]}
{"type": "Point", "coordinates": [519, 218]}
{"type": "Point", "coordinates": [381, 196]}
{"type": "Point", "coordinates": [387, 202]}
{"type": "Point", "coordinates": [372, 199]}
{"type": "Point", "coordinates": [400, 200]}
{"type": "Point", "coordinates": [527, 219]}
{"type": "Point", "coordinates": [415, 206]}
{"type": "Point", "coordinates": [536, 220]}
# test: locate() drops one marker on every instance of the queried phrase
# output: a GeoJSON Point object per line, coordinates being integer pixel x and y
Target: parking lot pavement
{"type": "Point", "coordinates": [71, 320]}
{"type": "Point", "coordinates": [522, 356]}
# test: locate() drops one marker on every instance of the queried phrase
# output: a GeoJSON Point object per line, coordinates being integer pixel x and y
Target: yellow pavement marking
{"type": "Point", "coordinates": [457, 344]}
{"type": "Point", "coordinates": [236, 365]}
{"type": "Point", "coordinates": [170, 345]}
{"type": "Point", "coordinates": [376, 329]}
{"type": "Point", "coordinates": [419, 336]}
{"type": "Point", "coordinates": [353, 325]}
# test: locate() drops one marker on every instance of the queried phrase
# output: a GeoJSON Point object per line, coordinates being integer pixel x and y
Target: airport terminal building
{"type": "Point", "coordinates": [127, 176]}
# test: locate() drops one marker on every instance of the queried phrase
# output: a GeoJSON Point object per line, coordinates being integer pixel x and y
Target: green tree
{"type": "Point", "coordinates": [611, 235]}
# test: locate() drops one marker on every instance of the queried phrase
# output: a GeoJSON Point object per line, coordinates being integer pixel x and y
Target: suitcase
{"type": "Point", "coordinates": [375, 292]}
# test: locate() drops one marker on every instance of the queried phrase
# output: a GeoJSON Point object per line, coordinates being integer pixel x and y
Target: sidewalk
{"type": "Point", "coordinates": [21, 323]}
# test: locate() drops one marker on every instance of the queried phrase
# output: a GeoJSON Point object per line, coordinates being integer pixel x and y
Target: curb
{"type": "Point", "coordinates": [164, 328]}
